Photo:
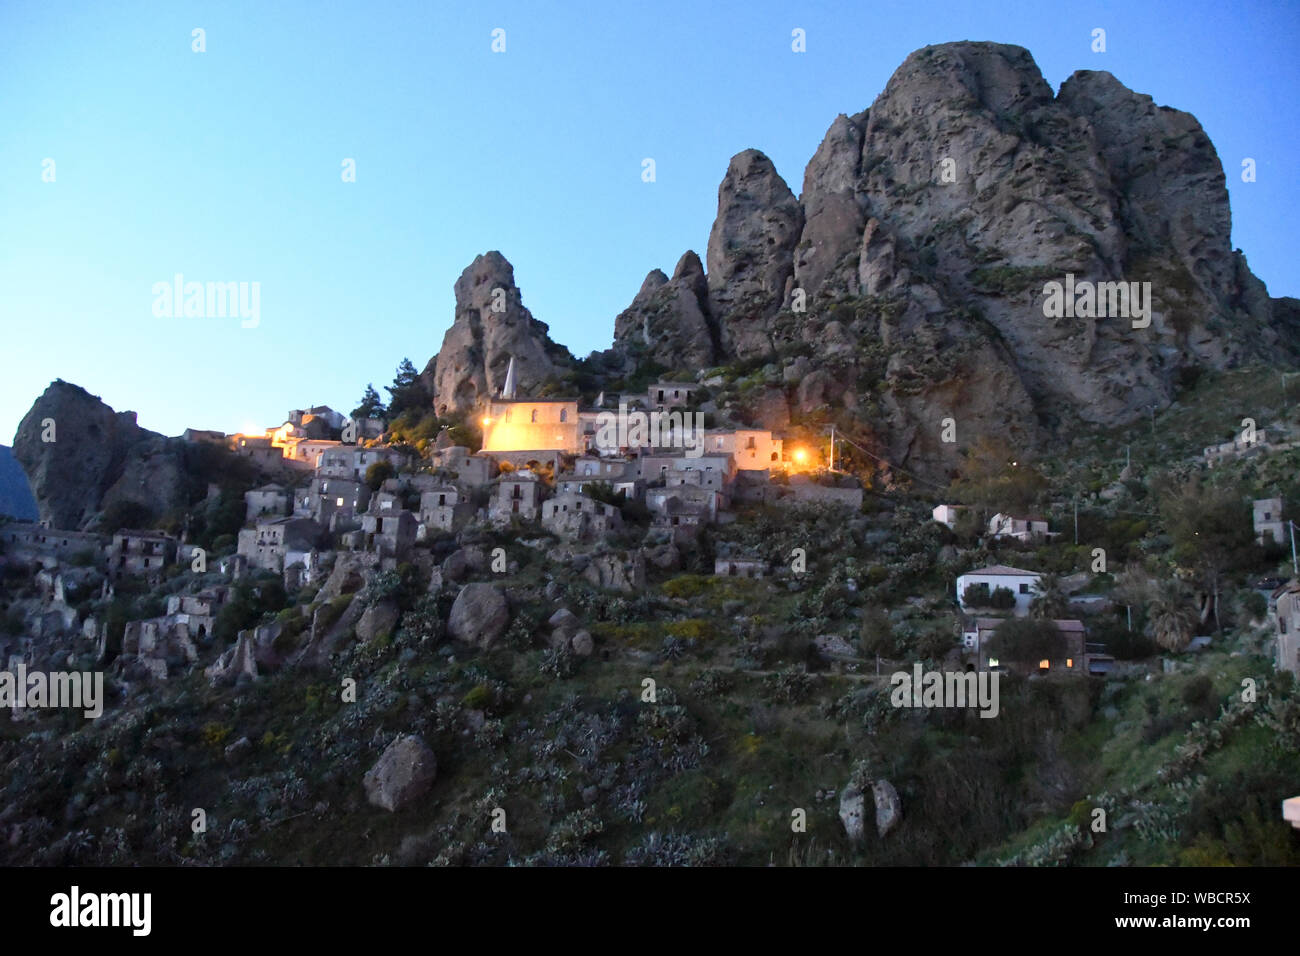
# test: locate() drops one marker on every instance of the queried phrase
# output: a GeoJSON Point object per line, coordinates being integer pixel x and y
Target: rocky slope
{"type": "Point", "coordinates": [491, 325]}
{"type": "Point", "coordinates": [98, 458]}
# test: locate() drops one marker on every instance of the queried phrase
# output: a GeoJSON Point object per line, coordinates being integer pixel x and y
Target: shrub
{"type": "Point", "coordinates": [1003, 599]}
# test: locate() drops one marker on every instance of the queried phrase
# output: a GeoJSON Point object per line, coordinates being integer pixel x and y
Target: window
{"type": "Point", "coordinates": [338, 502]}
{"type": "Point", "coordinates": [534, 416]}
{"type": "Point", "coordinates": [1069, 662]}
{"type": "Point", "coordinates": [1043, 665]}
{"type": "Point", "coordinates": [993, 662]}
{"type": "Point", "coordinates": [1024, 589]}
{"type": "Point", "coordinates": [564, 414]}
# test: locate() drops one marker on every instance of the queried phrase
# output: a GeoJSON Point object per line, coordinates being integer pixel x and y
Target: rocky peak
{"type": "Point", "coordinates": [751, 252]}
{"type": "Point", "coordinates": [668, 322]}
{"type": "Point", "coordinates": [98, 456]}
{"type": "Point", "coordinates": [491, 326]}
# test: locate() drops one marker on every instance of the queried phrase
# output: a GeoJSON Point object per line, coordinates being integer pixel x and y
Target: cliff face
{"type": "Point", "coordinates": [98, 457]}
{"type": "Point", "coordinates": [491, 326]}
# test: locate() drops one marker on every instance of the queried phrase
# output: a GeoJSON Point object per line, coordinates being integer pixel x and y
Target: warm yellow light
{"type": "Point", "coordinates": [800, 455]}
{"type": "Point", "coordinates": [486, 421]}
{"type": "Point", "coordinates": [1044, 665]}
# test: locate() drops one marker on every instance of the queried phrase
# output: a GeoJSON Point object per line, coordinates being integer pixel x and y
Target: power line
{"type": "Point", "coordinates": [890, 464]}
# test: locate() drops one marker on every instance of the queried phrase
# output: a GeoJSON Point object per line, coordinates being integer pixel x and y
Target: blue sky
{"type": "Point", "coordinates": [225, 165]}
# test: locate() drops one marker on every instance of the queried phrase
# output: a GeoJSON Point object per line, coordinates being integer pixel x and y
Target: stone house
{"type": "Point", "coordinates": [306, 452]}
{"type": "Point", "coordinates": [736, 567]}
{"type": "Point", "coordinates": [272, 499]}
{"type": "Point", "coordinates": [325, 498]}
{"type": "Point", "coordinates": [682, 520]}
{"type": "Point", "coordinates": [38, 544]}
{"type": "Point", "coordinates": [752, 449]}
{"type": "Point", "coordinates": [1019, 582]}
{"type": "Point", "coordinates": [389, 535]}
{"type": "Point", "coordinates": [670, 394]}
{"type": "Point", "coordinates": [259, 449]}
{"type": "Point", "coordinates": [352, 461]}
{"type": "Point", "coordinates": [277, 542]}
{"type": "Point", "coordinates": [578, 517]}
{"type": "Point", "coordinates": [705, 502]}
{"type": "Point", "coordinates": [518, 493]}
{"type": "Point", "coordinates": [445, 509]}
{"type": "Point", "coordinates": [466, 469]}
{"type": "Point", "coordinates": [197, 613]}
{"type": "Point", "coordinates": [140, 552]}
{"type": "Point", "coordinates": [979, 652]}
{"type": "Point", "coordinates": [1268, 521]}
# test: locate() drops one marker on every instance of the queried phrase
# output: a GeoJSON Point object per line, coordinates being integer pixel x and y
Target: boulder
{"type": "Point", "coordinates": [853, 813]}
{"type": "Point", "coordinates": [403, 773]}
{"type": "Point", "coordinates": [889, 810]}
{"type": "Point", "coordinates": [479, 615]}
{"type": "Point", "coordinates": [377, 620]}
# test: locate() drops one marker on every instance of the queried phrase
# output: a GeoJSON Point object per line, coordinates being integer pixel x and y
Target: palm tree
{"type": "Point", "coordinates": [1172, 617]}
{"type": "Point", "coordinates": [1050, 600]}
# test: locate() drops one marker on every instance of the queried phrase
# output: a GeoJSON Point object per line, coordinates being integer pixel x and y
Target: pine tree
{"type": "Point", "coordinates": [371, 406]}
{"type": "Point", "coordinates": [407, 390]}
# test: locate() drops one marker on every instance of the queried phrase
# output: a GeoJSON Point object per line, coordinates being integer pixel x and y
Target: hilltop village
{"type": "Point", "coordinates": [625, 479]}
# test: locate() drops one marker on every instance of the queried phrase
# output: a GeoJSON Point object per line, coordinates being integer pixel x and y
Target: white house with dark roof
{"type": "Point", "coordinates": [1019, 581]}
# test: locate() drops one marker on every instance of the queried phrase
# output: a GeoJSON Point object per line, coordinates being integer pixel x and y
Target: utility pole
{"type": "Point", "coordinates": [1294, 568]}
{"type": "Point", "coordinates": [1076, 519]}
{"type": "Point", "coordinates": [832, 446]}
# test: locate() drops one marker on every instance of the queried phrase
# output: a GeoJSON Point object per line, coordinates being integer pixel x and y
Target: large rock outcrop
{"type": "Point", "coordinates": [668, 322]}
{"type": "Point", "coordinates": [491, 326]}
{"type": "Point", "coordinates": [98, 458]}
{"type": "Point", "coordinates": [751, 252]}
